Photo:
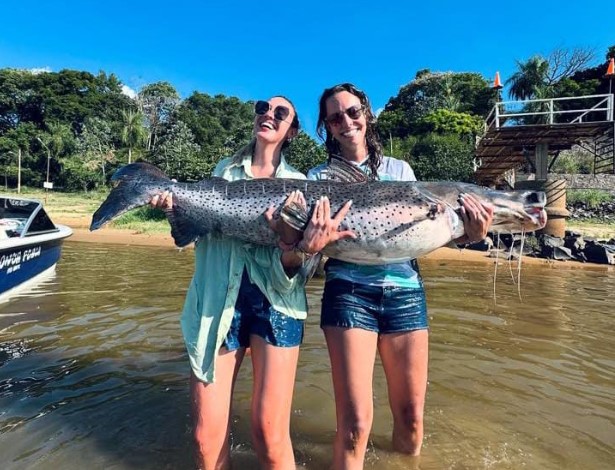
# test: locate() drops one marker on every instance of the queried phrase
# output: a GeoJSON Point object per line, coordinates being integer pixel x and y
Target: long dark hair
{"type": "Point", "coordinates": [374, 147]}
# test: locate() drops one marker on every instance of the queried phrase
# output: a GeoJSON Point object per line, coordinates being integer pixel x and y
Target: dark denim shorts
{"type": "Point", "coordinates": [255, 316]}
{"type": "Point", "coordinates": [380, 309]}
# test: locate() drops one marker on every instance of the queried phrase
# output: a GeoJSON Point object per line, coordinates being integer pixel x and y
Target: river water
{"type": "Point", "coordinates": [93, 372]}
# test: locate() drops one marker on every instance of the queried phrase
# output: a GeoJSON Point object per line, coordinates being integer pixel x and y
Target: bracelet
{"type": "Point", "coordinates": [304, 254]}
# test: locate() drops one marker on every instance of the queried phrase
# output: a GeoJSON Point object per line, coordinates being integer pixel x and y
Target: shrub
{"type": "Point", "coordinates": [591, 197]}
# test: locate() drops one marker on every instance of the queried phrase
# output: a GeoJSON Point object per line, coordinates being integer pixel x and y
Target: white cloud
{"type": "Point", "coordinates": [378, 111]}
{"type": "Point", "coordinates": [129, 91]}
{"type": "Point", "coordinates": [39, 70]}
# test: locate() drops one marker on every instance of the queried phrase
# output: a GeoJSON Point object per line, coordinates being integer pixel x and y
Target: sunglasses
{"type": "Point", "coordinates": [354, 112]}
{"type": "Point", "coordinates": [280, 113]}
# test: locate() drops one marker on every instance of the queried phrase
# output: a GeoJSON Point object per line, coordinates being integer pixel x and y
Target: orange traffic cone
{"type": "Point", "coordinates": [610, 70]}
{"type": "Point", "coordinates": [497, 84]}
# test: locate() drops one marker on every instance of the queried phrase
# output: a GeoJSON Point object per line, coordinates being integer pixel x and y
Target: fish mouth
{"type": "Point", "coordinates": [527, 211]}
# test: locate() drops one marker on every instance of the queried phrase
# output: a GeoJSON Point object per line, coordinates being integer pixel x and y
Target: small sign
{"type": "Point", "coordinates": [48, 185]}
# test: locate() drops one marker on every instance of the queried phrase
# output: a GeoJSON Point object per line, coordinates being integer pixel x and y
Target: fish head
{"type": "Point", "coordinates": [517, 211]}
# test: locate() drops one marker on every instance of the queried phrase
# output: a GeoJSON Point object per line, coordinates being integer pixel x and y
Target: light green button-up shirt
{"type": "Point", "coordinates": [219, 264]}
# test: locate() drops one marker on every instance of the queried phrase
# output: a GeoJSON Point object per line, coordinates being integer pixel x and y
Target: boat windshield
{"type": "Point", "coordinates": [23, 217]}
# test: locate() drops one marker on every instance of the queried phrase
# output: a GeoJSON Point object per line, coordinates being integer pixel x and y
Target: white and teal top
{"type": "Point", "coordinates": [394, 274]}
{"type": "Point", "coordinates": [219, 266]}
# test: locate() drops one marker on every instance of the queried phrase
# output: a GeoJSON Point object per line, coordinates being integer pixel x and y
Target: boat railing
{"type": "Point", "coordinates": [551, 111]}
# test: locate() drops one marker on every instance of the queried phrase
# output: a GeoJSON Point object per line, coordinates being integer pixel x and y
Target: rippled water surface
{"type": "Point", "coordinates": [93, 372]}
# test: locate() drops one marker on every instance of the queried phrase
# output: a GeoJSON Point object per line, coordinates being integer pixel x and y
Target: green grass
{"type": "Point", "coordinates": [592, 197]}
{"type": "Point", "coordinates": [80, 206]}
{"type": "Point", "coordinates": [143, 220]}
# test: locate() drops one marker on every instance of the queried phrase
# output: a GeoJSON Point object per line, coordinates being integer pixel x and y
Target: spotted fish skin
{"type": "Point", "coordinates": [394, 221]}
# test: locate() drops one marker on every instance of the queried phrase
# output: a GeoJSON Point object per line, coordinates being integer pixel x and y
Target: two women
{"type": "Point", "coordinates": [244, 297]}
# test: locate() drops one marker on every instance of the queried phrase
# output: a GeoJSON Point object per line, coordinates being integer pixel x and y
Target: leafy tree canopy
{"type": "Point", "coordinates": [217, 122]}
{"type": "Point", "coordinates": [466, 93]}
{"type": "Point", "coordinates": [444, 121]}
{"type": "Point", "coordinates": [443, 158]}
{"type": "Point", "coordinates": [304, 152]}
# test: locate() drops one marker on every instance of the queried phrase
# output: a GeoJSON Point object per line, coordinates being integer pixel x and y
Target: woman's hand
{"type": "Point", "coordinates": [289, 236]}
{"type": "Point", "coordinates": [323, 229]}
{"type": "Point", "coordinates": [162, 201]}
{"type": "Point", "coordinates": [477, 217]}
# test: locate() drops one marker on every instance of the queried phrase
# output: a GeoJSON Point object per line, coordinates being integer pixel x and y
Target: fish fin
{"type": "Point", "coordinates": [309, 267]}
{"type": "Point", "coordinates": [133, 186]}
{"type": "Point", "coordinates": [139, 170]}
{"type": "Point", "coordinates": [344, 172]}
{"type": "Point", "coordinates": [213, 179]}
{"type": "Point", "coordinates": [183, 229]}
{"type": "Point", "coordinates": [295, 215]}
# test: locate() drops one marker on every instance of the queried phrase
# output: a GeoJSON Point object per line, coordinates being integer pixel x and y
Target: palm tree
{"type": "Point", "coordinates": [55, 142]}
{"type": "Point", "coordinates": [531, 76]}
{"type": "Point", "coordinates": [133, 132]}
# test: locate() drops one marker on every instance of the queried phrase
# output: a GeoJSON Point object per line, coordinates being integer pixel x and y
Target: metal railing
{"type": "Point", "coordinates": [548, 111]}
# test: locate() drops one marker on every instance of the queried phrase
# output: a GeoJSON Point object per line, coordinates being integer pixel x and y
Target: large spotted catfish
{"type": "Point", "coordinates": [393, 221]}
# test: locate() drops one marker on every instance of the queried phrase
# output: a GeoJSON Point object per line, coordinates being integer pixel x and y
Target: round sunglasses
{"type": "Point", "coordinates": [354, 112]}
{"type": "Point", "coordinates": [280, 113]}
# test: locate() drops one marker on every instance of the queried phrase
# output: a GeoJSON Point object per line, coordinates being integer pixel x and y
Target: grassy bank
{"type": "Point", "coordinates": [76, 209]}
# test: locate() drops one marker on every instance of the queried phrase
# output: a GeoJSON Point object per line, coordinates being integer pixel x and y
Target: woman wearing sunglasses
{"type": "Point", "coordinates": [246, 297]}
{"type": "Point", "coordinates": [372, 308]}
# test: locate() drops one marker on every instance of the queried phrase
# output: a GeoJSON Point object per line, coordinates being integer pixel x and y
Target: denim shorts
{"type": "Point", "coordinates": [255, 316]}
{"type": "Point", "coordinates": [379, 309]}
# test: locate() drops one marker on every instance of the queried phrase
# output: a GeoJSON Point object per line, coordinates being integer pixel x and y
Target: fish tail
{"type": "Point", "coordinates": [134, 186]}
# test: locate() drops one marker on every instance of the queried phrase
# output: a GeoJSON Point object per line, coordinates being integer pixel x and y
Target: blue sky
{"type": "Point", "coordinates": [254, 50]}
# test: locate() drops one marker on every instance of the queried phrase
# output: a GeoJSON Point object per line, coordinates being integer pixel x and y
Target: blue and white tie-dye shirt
{"type": "Point", "coordinates": [395, 274]}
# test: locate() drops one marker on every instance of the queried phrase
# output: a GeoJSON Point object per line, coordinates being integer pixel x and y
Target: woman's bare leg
{"type": "Point", "coordinates": [404, 358]}
{"type": "Point", "coordinates": [211, 409]}
{"type": "Point", "coordinates": [352, 352]}
{"type": "Point", "coordinates": [274, 380]}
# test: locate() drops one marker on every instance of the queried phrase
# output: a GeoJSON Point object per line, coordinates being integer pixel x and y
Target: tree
{"type": "Point", "coordinates": [56, 142]}
{"type": "Point", "coordinates": [539, 75]}
{"type": "Point", "coordinates": [217, 122]}
{"type": "Point", "coordinates": [589, 81]}
{"type": "Point", "coordinates": [466, 93]}
{"type": "Point", "coordinates": [22, 137]}
{"type": "Point", "coordinates": [443, 121]}
{"type": "Point", "coordinates": [157, 102]}
{"type": "Point", "coordinates": [133, 132]}
{"type": "Point", "coordinates": [95, 151]}
{"type": "Point", "coordinates": [178, 155]}
{"type": "Point", "coordinates": [79, 174]}
{"type": "Point", "coordinates": [443, 158]}
{"type": "Point", "coordinates": [531, 77]}
{"type": "Point", "coordinates": [305, 153]}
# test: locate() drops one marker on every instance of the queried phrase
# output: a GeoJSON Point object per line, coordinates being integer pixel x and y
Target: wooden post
{"type": "Point", "coordinates": [542, 161]}
{"type": "Point", "coordinates": [19, 171]}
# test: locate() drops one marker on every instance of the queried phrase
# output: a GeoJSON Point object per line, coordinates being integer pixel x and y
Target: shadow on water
{"type": "Point", "coordinates": [93, 372]}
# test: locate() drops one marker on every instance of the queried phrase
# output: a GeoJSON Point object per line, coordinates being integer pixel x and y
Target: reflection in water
{"type": "Point", "coordinates": [93, 372]}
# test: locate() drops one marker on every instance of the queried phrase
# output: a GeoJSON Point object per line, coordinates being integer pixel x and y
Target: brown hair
{"type": "Point", "coordinates": [374, 147]}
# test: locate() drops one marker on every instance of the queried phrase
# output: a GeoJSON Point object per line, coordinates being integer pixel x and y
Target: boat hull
{"type": "Point", "coordinates": [25, 261]}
